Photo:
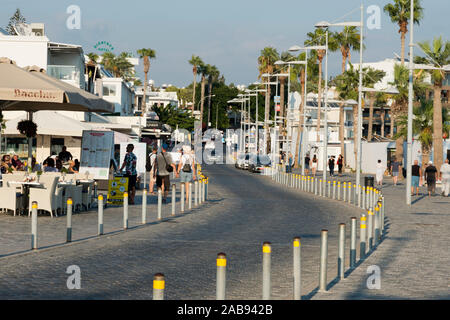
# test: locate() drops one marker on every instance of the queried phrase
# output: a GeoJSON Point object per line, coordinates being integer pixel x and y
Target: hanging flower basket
{"type": "Point", "coordinates": [27, 128]}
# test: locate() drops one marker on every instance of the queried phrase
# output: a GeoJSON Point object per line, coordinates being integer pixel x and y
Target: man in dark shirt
{"type": "Point", "coordinates": [416, 173]}
{"type": "Point", "coordinates": [430, 176]}
{"type": "Point", "coordinates": [65, 155]}
{"type": "Point", "coordinates": [307, 161]}
{"type": "Point", "coordinates": [331, 165]}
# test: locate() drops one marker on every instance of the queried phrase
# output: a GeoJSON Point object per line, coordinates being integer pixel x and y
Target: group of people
{"type": "Point", "coordinates": [161, 166]}
{"type": "Point", "coordinates": [332, 162]}
{"type": "Point", "coordinates": [64, 159]}
{"type": "Point", "coordinates": [430, 175]}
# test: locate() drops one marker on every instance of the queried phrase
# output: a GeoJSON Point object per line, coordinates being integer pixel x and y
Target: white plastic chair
{"type": "Point", "coordinates": [45, 197]}
{"type": "Point", "coordinates": [10, 198]}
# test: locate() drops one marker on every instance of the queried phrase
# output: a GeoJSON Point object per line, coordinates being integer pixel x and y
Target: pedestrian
{"type": "Point", "coordinates": [129, 163]}
{"type": "Point", "coordinates": [395, 166]}
{"type": "Point", "coordinates": [186, 168]}
{"type": "Point", "coordinates": [152, 168]}
{"type": "Point", "coordinates": [331, 165]}
{"type": "Point", "coordinates": [314, 165]}
{"type": "Point", "coordinates": [290, 162]}
{"type": "Point", "coordinates": [430, 177]}
{"type": "Point", "coordinates": [307, 163]}
{"type": "Point", "coordinates": [65, 155]}
{"type": "Point", "coordinates": [416, 175]}
{"type": "Point", "coordinates": [445, 178]}
{"type": "Point", "coordinates": [164, 166]}
{"type": "Point", "coordinates": [379, 173]}
{"type": "Point", "coordinates": [340, 163]}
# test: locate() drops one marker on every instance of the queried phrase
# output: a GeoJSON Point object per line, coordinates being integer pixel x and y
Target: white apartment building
{"type": "Point", "coordinates": [160, 98]}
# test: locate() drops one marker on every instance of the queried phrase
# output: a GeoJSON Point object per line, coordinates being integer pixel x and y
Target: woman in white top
{"type": "Point", "coordinates": [153, 169]}
{"type": "Point", "coordinates": [186, 168]}
{"type": "Point", "coordinates": [379, 173]}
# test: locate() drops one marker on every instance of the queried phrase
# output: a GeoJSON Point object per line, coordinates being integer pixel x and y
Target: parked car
{"type": "Point", "coordinates": [242, 161]}
{"type": "Point", "coordinates": [239, 159]}
{"type": "Point", "coordinates": [257, 164]}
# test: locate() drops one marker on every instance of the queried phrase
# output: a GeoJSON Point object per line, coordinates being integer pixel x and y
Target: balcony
{"type": "Point", "coordinates": [69, 74]}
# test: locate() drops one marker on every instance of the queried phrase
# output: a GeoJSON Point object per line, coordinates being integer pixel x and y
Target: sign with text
{"type": "Point", "coordinates": [116, 188]}
{"type": "Point", "coordinates": [96, 152]}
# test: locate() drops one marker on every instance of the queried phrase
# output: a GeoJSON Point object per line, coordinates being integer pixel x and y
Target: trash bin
{"type": "Point", "coordinates": [368, 182]}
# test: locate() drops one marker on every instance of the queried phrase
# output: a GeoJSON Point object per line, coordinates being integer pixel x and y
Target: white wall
{"type": "Point", "coordinates": [25, 51]}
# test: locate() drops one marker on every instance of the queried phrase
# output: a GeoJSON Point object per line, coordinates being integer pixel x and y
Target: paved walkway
{"type": "Point", "coordinates": [414, 258]}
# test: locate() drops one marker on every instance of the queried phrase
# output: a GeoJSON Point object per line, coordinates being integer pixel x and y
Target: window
{"type": "Point", "coordinates": [19, 146]}
{"type": "Point", "coordinates": [56, 145]}
{"type": "Point", "coordinates": [109, 90]}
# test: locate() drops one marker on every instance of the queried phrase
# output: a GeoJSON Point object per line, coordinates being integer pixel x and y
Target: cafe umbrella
{"type": "Point", "coordinates": [30, 89]}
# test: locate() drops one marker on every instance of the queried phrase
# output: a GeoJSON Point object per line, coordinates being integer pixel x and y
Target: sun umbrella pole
{"type": "Point", "coordinates": [30, 144]}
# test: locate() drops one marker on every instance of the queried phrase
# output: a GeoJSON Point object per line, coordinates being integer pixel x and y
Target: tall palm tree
{"type": "Point", "coordinates": [399, 106]}
{"type": "Point", "coordinates": [438, 55]}
{"type": "Point", "coordinates": [195, 61]}
{"type": "Point", "coordinates": [318, 38]}
{"type": "Point", "coordinates": [146, 54]}
{"type": "Point", "coordinates": [213, 75]}
{"type": "Point", "coordinates": [347, 40]}
{"type": "Point", "coordinates": [372, 76]}
{"type": "Point", "coordinates": [400, 13]}
{"type": "Point", "coordinates": [266, 64]}
{"type": "Point", "coordinates": [203, 69]}
{"type": "Point", "coordinates": [423, 126]}
{"type": "Point", "coordinates": [93, 57]}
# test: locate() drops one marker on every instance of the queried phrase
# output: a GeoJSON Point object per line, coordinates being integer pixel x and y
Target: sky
{"type": "Point", "coordinates": [229, 34]}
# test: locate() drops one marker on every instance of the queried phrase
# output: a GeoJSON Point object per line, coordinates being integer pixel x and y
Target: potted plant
{"type": "Point", "coordinates": [38, 174]}
{"type": "Point", "coordinates": [27, 128]}
{"type": "Point", "coordinates": [64, 171]}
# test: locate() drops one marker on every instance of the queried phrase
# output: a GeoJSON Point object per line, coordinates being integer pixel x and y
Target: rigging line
{"type": "Point", "coordinates": [347, 14]}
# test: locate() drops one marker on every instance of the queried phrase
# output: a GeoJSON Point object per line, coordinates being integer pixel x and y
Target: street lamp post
{"type": "Point", "coordinates": [410, 108]}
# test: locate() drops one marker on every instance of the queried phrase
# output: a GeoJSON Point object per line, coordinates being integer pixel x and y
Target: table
{"type": "Point", "coordinates": [26, 187]}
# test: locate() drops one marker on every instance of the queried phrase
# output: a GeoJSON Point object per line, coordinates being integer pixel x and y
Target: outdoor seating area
{"type": "Point", "coordinates": [50, 190]}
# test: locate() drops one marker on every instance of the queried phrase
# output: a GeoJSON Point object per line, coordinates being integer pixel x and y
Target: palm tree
{"type": "Point", "coordinates": [109, 62]}
{"type": "Point", "coordinates": [372, 76]}
{"type": "Point", "coordinates": [203, 69]}
{"type": "Point", "coordinates": [213, 75]}
{"type": "Point", "coordinates": [318, 38]}
{"type": "Point", "coordinates": [195, 61]}
{"type": "Point", "coordinates": [423, 126]}
{"type": "Point", "coordinates": [266, 64]}
{"type": "Point", "coordinates": [348, 39]}
{"type": "Point", "coordinates": [399, 106]}
{"type": "Point", "coordinates": [93, 57]}
{"type": "Point", "coordinates": [146, 54]}
{"type": "Point", "coordinates": [400, 13]}
{"type": "Point", "coordinates": [438, 55]}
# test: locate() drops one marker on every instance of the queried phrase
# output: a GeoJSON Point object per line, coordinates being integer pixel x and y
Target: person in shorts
{"type": "Point", "coordinates": [129, 163]}
{"type": "Point", "coordinates": [307, 163]}
{"type": "Point", "coordinates": [445, 178]}
{"type": "Point", "coordinates": [153, 169]}
{"type": "Point", "coordinates": [186, 168]}
{"type": "Point", "coordinates": [395, 166]}
{"type": "Point", "coordinates": [163, 160]}
{"type": "Point", "coordinates": [416, 174]}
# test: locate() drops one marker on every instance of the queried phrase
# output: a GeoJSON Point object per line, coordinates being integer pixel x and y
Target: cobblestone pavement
{"type": "Point", "coordinates": [414, 258]}
{"type": "Point", "coordinates": [243, 210]}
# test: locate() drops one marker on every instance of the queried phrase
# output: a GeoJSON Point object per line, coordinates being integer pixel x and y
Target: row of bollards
{"type": "Point", "coordinates": [221, 262]}
{"type": "Point", "coordinates": [201, 196]}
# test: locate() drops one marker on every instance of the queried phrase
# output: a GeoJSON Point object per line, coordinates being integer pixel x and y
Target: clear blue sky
{"type": "Point", "coordinates": [228, 34]}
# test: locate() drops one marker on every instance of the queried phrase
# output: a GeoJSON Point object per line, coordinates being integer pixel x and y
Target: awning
{"type": "Point", "coordinates": [50, 123]}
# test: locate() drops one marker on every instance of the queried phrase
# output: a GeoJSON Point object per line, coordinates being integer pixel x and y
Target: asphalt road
{"type": "Point", "coordinates": [243, 211]}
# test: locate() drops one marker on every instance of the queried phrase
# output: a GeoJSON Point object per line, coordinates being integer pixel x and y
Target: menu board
{"type": "Point", "coordinates": [96, 153]}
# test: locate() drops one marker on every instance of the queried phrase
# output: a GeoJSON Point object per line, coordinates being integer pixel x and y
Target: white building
{"type": "Point", "coordinates": [160, 98]}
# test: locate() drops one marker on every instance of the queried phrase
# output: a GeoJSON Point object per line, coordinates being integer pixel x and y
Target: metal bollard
{"type": "Point", "coordinates": [334, 190]}
{"type": "Point", "coordinates": [341, 251]}
{"type": "Point", "coordinates": [382, 215]}
{"type": "Point", "coordinates": [370, 229]}
{"type": "Point", "coordinates": [377, 225]}
{"type": "Point", "coordinates": [350, 192]}
{"type": "Point", "coordinates": [34, 231]}
{"type": "Point", "coordinates": [329, 189]}
{"type": "Point", "coordinates": [200, 191]}
{"type": "Point", "coordinates": [363, 197]}
{"type": "Point", "coordinates": [221, 276]}
{"type": "Point", "coordinates": [182, 198]}
{"type": "Point", "coordinates": [362, 237]}
{"type": "Point", "coordinates": [344, 191]}
{"type": "Point", "coordinates": [320, 187]}
{"type": "Point", "coordinates": [173, 199]}
{"type": "Point", "coordinates": [206, 190]}
{"type": "Point", "coordinates": [158, 286]}
{"type": "Point", "coordinates": [69, 220]}
{"type": "Point", "coordinates": [339, 191]}
{"type": "Point", "coordinates": [323, 261]}
{"type": "Point", "coordinates": [144, 207]}
{"type": "Point", "coordinates": [196, 193]}
{"type": "Point", "coordinates": [353, 243]}
{"type": "Point", "coordinates": [266, 287]}
{"type": "Point", "coordinates": [297, 268]}
{"type": "Point", "coordinates": [190, 196]}
{"type": "Point", "coordinates": [367, 198]}
{"type": "Point", "coordinates": [100, 214]}
{"type": "Point", "coordinates": [159, 204]}
{"type": "Point", "coordinates": [125, 210]}
{"type": "Point", "coordinates": [315, 186]}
